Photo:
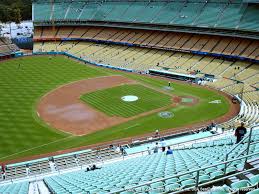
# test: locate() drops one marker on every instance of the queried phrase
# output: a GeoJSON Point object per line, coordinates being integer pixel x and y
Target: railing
{"type": "Point", "coordinates": [226, 163]}
{"type": "Point", "coordinates": [177, 145]}
{"type": "Point", "coordinates": [93, 153]}
{"type": "Point", "coordinates": [164, 134]}
{"type": "Point", "coordinates": [182, 145]}
{"type": "Point", "coordinates": [249, 137]}
{"type": "Point", "coordinates": [197, 171]}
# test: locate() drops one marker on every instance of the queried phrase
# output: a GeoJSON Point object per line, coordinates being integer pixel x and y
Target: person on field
{"type": "Point", "coordinates": [240, 132]}
{"type": "Point", "coordinates": [169, 151]}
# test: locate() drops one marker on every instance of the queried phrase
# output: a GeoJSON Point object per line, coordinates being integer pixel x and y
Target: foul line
{"type": "Point", "coordinates": [35, 147]}
{"type": "Point", "coordinates": [132, 126]}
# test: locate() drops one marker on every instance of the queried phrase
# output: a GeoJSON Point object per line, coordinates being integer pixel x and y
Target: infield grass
{"type": "Point", "coordinates": [109, 100]}
{"type": "Point", "coordinates": [24, 134]}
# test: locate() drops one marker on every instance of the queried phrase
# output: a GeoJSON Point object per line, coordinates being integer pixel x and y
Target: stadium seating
{"type": "Point", "coordinates": [44, 165]}
{"type": "Point", "coordinates": [124, 174]}
{"type": "Point", "coordinates": [249, 19]}
{"type": "Point", "coordinates": [180, 62]}
{"type": "Point", "coordinates": [21, 188]}
{"type": "Point", "coordinates": [7, 47]}
{"type": "Point", "coordinates": [140, 170]}
{"type": "Point", "coordinates": [167, 40]}
{"type": "Point", "coordinates": [216, 14]}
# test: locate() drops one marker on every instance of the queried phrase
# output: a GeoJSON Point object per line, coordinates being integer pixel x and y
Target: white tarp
{"type": "Point", "coordinates": [24, 29]}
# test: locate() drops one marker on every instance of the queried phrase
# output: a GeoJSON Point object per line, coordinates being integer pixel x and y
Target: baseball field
{"type": "Point", "coordinates": [54, 103]}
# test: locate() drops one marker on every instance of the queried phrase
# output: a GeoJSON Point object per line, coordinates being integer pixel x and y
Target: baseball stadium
{"type": "Point", "coordinates": [130, 96]}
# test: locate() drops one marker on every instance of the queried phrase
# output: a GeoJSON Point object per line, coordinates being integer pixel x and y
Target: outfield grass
{"type": "Point", "coordinates": [109, 100]}
{"type": "Point", "coordinates": [24, 134]}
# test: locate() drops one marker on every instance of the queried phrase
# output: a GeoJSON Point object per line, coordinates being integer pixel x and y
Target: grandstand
{"type": "Point", "coordinates": [166, 40]}
{"type": "Point", "coordinates": [214, 42]}
{"type": "Point", "coordinates": [205, 14]}
{"type": "Point", "coordinates": [141, 171]}
{"type": "Point", "coordinates": [7, 48]}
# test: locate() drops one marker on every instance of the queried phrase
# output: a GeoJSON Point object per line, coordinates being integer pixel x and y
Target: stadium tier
{"type": "Point", "coordinates": [143, 59]}
{"type": "Point", "coordinates": [147, 168]}
{"type": "Point", "coordinates": [223, 14]}
{"type": "Point", "coordinates": [61, 162]}
{"type": "Point", "coordinates": [21, 188]}
{"type": "Point", "coordinates": [7, 47]}
{"type": "Point", "coordinates": [157, 172]}
{"type": "Point", "coordinates": [165, 40]}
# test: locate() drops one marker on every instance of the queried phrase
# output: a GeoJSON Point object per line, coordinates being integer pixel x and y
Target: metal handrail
{"type": "Point", "coordinates": [194, 141]}
{"type": "Point", "coordinates": [178, 144]}
{"type": "Point", "coordinates": [165, 134]}
{"type": "Point", "coordinates": [216, 180]}
{"type": "Point", "coordinates": [141, 152]}
{"type": "Point", "coordinates": [178, 175]}
{"type": "Point", "coordinates": [237, 145]}
{"type": "Point", "coordinates": [249, 137]}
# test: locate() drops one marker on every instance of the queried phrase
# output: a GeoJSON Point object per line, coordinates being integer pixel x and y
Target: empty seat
{"type": "Point", "coordinates": [240, 184]}
{"type": "Point", "coordinates": [254, 180]}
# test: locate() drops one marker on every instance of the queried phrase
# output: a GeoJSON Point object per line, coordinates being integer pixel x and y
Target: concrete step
{"type": "Point", "coordinates": [254, 163]}
{"type": "Point", "coordinates": [232, 179]}
{"type": "Point", "coordinates": [245, 175]}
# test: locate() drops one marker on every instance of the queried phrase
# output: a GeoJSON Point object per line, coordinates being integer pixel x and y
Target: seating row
{"type": "Point", "coordinates": [206, 14]}
{"type": "Point", "coordinates": [167, 40]}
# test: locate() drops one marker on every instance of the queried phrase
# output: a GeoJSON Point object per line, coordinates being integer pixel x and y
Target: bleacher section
{"type": "Point", "coordinates": [7, 47]}
{"type": "Point", "coordinates": [21, 188]}
{"type": "Point", "coordinates": [223, 14]}
{"type": "Point", "coordinates": [140, 170]}
{"type": "Point", "coordinates": [166, 40]}
{"type": "Point", "coordinates": [142, 59]}
{"type": "Point", "coordinates": [36, 167]}
{"type": "Point", "coordinates": [159, 172]}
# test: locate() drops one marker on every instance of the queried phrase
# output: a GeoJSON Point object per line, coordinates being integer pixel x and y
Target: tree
{"type": "Point", "coordinates": [15, 10]}
{"type": "Point", "coordinates": [16, 15]}
{"type": "Point", "coordinates": [5, 15]}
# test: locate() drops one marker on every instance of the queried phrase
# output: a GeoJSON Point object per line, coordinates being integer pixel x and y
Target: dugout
{"type": "Point", "coordinates": [173, 75]}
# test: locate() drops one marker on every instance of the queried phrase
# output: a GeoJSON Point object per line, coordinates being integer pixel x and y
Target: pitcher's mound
{"type": "Point", "coordinates": [129, 98]}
